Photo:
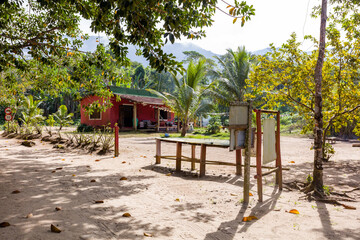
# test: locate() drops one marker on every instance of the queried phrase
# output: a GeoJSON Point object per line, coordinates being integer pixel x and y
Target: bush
{"type": "Point", "coordinates": [85, 128]}
{"type": "Point", "coordinates": [214, 125]}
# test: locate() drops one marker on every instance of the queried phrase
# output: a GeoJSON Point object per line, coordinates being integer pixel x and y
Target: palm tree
{"type": "Point", "coordinates": [231, 84]}
{"type": "Point", "coordinates": [187, 100]}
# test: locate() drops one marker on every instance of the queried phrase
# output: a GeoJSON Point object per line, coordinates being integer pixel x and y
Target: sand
{"type": "Point", "coordinates": [164, 204]}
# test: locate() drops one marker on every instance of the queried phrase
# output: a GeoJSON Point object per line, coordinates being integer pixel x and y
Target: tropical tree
{"type": "Point", "coordinates": [62, 117]}
{"type": "Point", "coordinates": [31, 113]}
{"type": "Point", "coordinates": [231, 84]}
{"type": "Point", "coordinates": [188, 100]}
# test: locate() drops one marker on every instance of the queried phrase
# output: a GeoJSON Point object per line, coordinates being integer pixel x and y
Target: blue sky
{"type": "Point", "coordinates": [274, 21]}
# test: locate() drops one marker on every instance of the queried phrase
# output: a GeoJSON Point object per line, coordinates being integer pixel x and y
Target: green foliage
{"type": "Point", "coordinates": [62, 117]}
{"type": "Point", "coordinates": [188, 101]}
{"type": "Point", "coordinates": [84, 128]}
{"type": "Point", "coordinates": [214, 125]}
{"type": "Point", "coordinates": [329, 151]}
{"type": "Point", "coordinates": [231, 86]}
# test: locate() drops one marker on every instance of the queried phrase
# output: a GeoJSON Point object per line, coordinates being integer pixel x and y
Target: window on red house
{"type": "Point", "coordinates": [96, 115]}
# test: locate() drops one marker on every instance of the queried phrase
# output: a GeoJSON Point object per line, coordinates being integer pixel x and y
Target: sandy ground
{"type": "Point", "coordinates": [179, 206]}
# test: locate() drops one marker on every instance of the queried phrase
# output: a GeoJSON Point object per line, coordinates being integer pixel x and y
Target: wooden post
{"type": "Point", "coordinates": [178, 156]}
{"type": "Point", "coordinates": [116, 140]}
{"type": "Point", "coordinates": [247, 155]}
{"type": "Point", "coordinates": [258, 154]}
{"type": "Point", "coordinates": [202, 160]}
{"type": "Point", "coordinates": [135, 116]}
{"type": "Point", "coordinates": [193, 148]}
{"type": "Point", "coordinates": [178, 124]}
{"type": "Point", "coordinates": [158, 151]}
{"type": "Point", "coordinates": [238, 162]}
{"type": "Point", "coordinates": [278, 154]}
{"type": "Point", "coordinates": [158, 120]}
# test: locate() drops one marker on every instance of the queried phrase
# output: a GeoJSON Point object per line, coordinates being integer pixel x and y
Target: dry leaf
{"type": "Point", "coordinates": [250, 194]}
{"type": "Point", "coordinates": [58, 208]}
{"type": "Point", "coordinates": [54, 229]}
{"type": "Point", "coordinates": [73, 175]}
{"type": "Point", "coordinates": [30, 215]}
{"type": "Point", "coordinates": [249, 218]}
{"type": "Point", "coordinates": [97, 160]}
{"type": "Point", "coordinates": [177, 200]}
{"type": "Point", "coordinates": [292, 162]}
{"type": "Point", "coordinates": [168, 174]}
{"type": "Point", "coordinates": [53, 171]}
{"type": "Point", "coordinates": [92, 180]}
{"type": "Point", "coordinates": [126, 215]}
{"type": "Point", "coordinates": [348, 207]}
{"type": "Point", "coordinates": [123, 178]}
{"type": "Point", "coordinates": [148, 235]}
{"type": "Point", "coordinates": [15, 192]}
{"type": "Point", "coordinates": [123, 161]}
{"type": "Point", "coordinates": [232, 194]}
{"type": "Point", "coordinates": [294, 211]}
{"type": "Point", "coordinates": [4, 224]}
{"type": "Point", "coordinates": [63, 159]}
{"type": "Point", "coordinates": [139, 170]}
{"type": "Point", "coordinates": [99, 201]}
{"type": "Point", "coordinates": [59, 168]}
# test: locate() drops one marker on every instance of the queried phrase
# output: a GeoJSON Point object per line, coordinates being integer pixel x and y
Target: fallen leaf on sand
{"type": "Point", "coordinates": [348, 207]}
{"type": "Point", "coordinates": [58, 168]}
{"type": "Point", "coordinates": [54, 229]}
{"type": "Point", "coordinates": [92, 180]}
{"type": "Point", "coordinates": [97, 160]}
{"type": "Point", "coordinates": [123, 161]}
{"type": "Point", "coordinates": [99, 201]}
{"type": "Point", "coordinates": [15, 192]}
{"type": "Point", "coordinates": [58, 208]}
{"type": "Point", "coordinates": [232, 194]}
{"type": "Point", "coordinates": [168, 174]}
{"type": "Point", "coordinates": [53, 171]}
{"type": "Point", "coordinates": [177, 200]}
{"type": "Point", "coordinates": [4, 224]}
{"type": "Point", "coordinates": [63, 159]}
{"type": "Point", "coordinates": [148, 235]}
{"type": "Point", "coordinates": [123, 178]}
{"type": "Point", "coordinates": [139, 170]}
{"type": "Point", "coordinates": [250, 194]}
{"type": "Point", "coordinates": [294, 211]}
{"type": "Point", "coordinates": [30, 215]}
{"type": "Point", "coordinates": [126, 215]}
{"type": "Point", "coordinates": [73, 175]}
{"type": "Point", "coordinates": [292, 162]}
{"type": "Point", "coordinates": [249, 218]}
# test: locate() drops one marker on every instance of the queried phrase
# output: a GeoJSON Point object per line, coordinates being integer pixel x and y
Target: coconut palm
{"type": "Point", "coordinates": [231, 83]}
{"type": "Point", "coordinates": [62, 117]}
{"type": "Point", "coordinates": [188, 101]}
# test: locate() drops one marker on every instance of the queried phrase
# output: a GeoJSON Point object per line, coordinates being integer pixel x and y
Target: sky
{"type": "Point", "coordinates": [273, 22]}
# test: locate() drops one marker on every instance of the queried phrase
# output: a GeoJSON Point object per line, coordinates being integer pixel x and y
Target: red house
{"type": "Point", "coordinates": [138, 109]}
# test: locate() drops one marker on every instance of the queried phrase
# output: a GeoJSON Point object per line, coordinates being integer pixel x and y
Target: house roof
{"type": "Point", "coordinates": [137, 95]}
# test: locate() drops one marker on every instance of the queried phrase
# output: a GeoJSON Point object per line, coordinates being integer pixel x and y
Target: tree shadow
{"type": "Point", "coordinates": [45, 186]}
{"type": "Point", "coordinates": [228, 230]}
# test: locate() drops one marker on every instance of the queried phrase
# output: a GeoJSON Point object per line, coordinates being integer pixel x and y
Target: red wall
{"type": "Point", "coordinates": [144, 112]}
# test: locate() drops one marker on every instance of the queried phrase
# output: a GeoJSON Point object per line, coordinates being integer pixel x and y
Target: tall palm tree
{"type": "Point", "coordinates": [187, 100]}
{"type": "Point", "coordinates": [231, 83]}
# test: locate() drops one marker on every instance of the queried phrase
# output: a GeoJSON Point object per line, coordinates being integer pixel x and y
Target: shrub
{"type": "Point", "coordinates": [214, 125]}
{"type": "Point", "coordinates": [84, 128]}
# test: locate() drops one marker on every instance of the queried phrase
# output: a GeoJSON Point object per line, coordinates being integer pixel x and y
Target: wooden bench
{"type": "Point", "coordinates": [203, 143]}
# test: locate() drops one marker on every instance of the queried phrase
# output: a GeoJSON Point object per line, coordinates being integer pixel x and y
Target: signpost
{"type": "Point", "coordinates": [8, 116]}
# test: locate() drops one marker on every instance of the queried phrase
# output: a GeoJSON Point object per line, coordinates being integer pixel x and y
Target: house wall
{"type": "Point", "coordinates": [144, 112]}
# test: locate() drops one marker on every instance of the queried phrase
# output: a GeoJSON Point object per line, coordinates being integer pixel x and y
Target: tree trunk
{"type": "Point", "coordinates": [317, 183]}
{"type": "Point", "coordinates": [184, 127]}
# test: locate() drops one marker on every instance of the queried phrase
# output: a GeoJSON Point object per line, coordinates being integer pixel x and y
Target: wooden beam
{"type": "Point", "coordinates": [158, 151]}
{"type": "Point", "coordinates": [135, 116]}
{"type": "Point", "coordinates": [158, 120]}
{"type": "Point", "coordinates": [193, 155]}
{"type": "Point", "coordinates": [247, 155]}
{"type": "Point", "coordinates": [278, 153]}
{"type": "Point", "coordinates": [238, 162]}
{"type": "Point", "coordinates": [202, 160]}
{"type": "Point", "coordinates": [258, 154]}
{"type": "Point", "coordinates": [178, 156]}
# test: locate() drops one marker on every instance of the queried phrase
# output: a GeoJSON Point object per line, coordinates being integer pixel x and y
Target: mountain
{"type": "Point", "coordinates": [176, 49]}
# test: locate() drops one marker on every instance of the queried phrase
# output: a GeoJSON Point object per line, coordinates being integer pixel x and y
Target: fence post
{"type": "Point", "coordinates": [116, 140]}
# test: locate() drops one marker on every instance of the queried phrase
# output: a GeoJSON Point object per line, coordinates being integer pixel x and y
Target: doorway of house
{"type": "Point", "coordinates": [126, 116]}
